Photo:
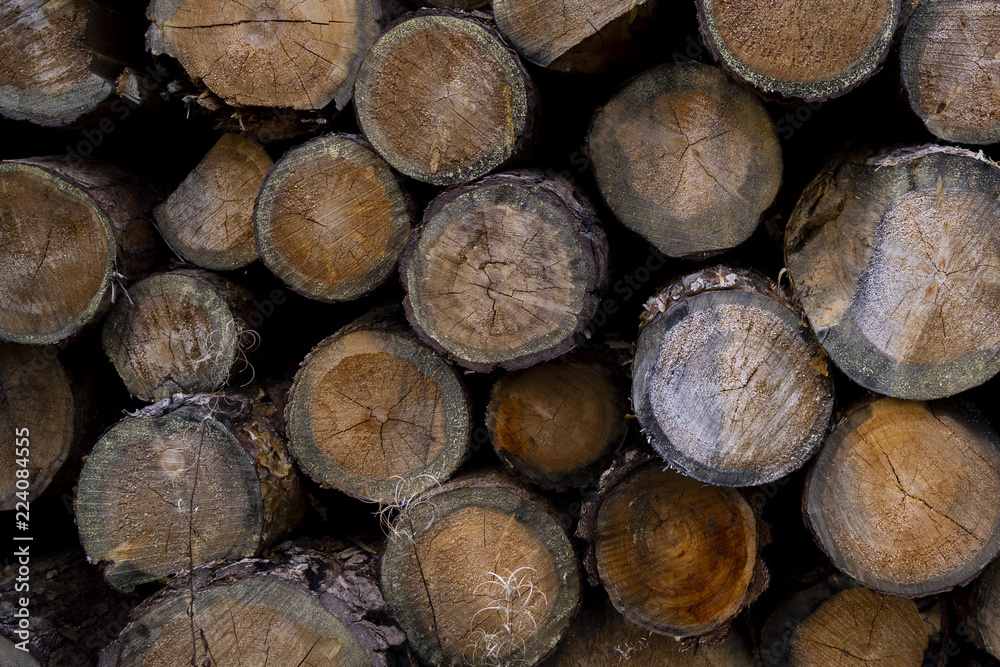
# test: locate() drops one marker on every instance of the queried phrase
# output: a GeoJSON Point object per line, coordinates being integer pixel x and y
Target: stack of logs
{"type": "Point", "coordinates": [784, 454]}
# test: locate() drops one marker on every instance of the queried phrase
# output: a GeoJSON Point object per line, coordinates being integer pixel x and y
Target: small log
{"type": "Point", "coordinates": [942, 58]}
{"type": "Point", "coordinates": [316, 604]}
{"type": "Point", "coordinates": [600, 636]}
{"type": "Point", "coordinates": [677, 557]}
{"type": "Point", "coordinates": [187, 481]}
{"type": "Point", "coordinates": [891, 257]}
{"type": "Point", "coordinates": [208, 219]}
{"type": "Point", "coordinates": [68, 229]}
{"type": "Point", "coordinates": [895, 497]}
{"type": "Point", "coordinates": [281, 55]}
{"type": "Point", "coordinates": [470, 106]}
{"type": "Point", "coordinates": [479, 573]}
{"type": "Point", "coordinates": [838, 622]}
{"type": "Point", "coordinates": [331, 218]}
{"type": "Point", "coordinates": [584, 36]}
{"type": "Point", "coordinates": [45, 61]}
{"type": "Point", "coordinates": [506, 271]}
{"type": "Point", "coordinates": [558, 423]}
{"type": "Point", "coordinates": [686, 158]}
{"type": "Point", "coordinates": [72, 613]}
{"type": "Point", "coordinates": [807, 50]}
{"type": "Point", "coordinates": [978, 608]}
{"type": "Point", "coordinates": [180, 332]}
{"type": "Point", "coordinates": [375, 413]}
{"type": "Point", "coordinates": [728, 385]}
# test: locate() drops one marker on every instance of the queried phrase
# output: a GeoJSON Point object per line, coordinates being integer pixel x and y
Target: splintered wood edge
{"type": "Point", "coordinates": [326, 472]}
{"type": "Point", "coordinates": [97, 302]}
{"type": "Point", "coordinates": [801, 90]}
{"type": "Point", "coordinates": [394, 576]}
{"type": "Point", "coordinates": [89, 503]}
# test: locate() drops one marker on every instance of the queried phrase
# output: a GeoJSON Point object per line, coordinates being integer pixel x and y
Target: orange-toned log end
{"type": "Point", "coordinates": [66, 228]}
{"type": "Point", "coordinates": [890, 257]}
{"type": "Point", "coordinates": [307, 604]}
{"type": "Point", "coordinates": [331, 219]}
{"type": "Point", "coordinates": [727, 383]}
{"type": "Point", "coordinates": [943, 58]}
{"type": "Point", "coordinates": [558, 422]}
{"type": "Point", "coordinates": [208, 219]}
{"type": "Point", "coordinates": [480, 574]}
{"type": "Point", "coordinates": [600, 636]}
{"type": "Point", "coordinates": [677, 557]}
{"type": "Point", "coordinates": [810, 50]}
{"type": "Point", "coordinates": [579, 36]}
{"type": "Point", "coordinates": [179, 332]}
{"type": "Point", "coordinates": [506, 271]}
{"type": "Point", "coordinates": [686, 158]}
{"type": "Point", "coordinates": [896, 496]}
{"type": "Point", "coordinates": [377, 414]}
{"type": "Point", "coordinates": [978, 608]}
{"type": "Point", "coordinates": [45, 73]}
{"type": "Point", "coordinates": [469, 106]}
{"type": "Point", "coordinates": [37, 409]}
{"type": "Point", "coordinates": [184, 482]}
{"type": "Point", "coordinates": [268, 53]}
{"type": "Point", "coordinates": [838, 622]}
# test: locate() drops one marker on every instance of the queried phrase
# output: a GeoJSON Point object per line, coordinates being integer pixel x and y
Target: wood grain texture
{"type": "Point", "coordinates": [896, 496]}
{"type": "Point", "coordinates": [469, 107]}
{"type": "Point", "coordinates": [948, 62]}
{"type": "Point", "coordinates": [811, 50]}
{"type": "Point", "coordinates": [728, 385]}
{"type": "Point", "coordinates": [893, 258]}
{"type": "Point", "coordinates": [686, 159]}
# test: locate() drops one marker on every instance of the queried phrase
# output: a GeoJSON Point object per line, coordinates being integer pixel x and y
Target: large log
{"type": "Point", "coordinates": [331, 218]}
{"type": "Point", "coordinates": [69, 229]}
{"type": "Point", "coordinates": [469, 105]}
{"type": "Point", "coordinates": [686, 158]}
{"type": "Point", "coordinates": [896, 496]}
{"type": "Point", "coordinates": [208, 219]}
{"type": "Point", "coordinates": [72, 614]}
{"type": "Point", "coordinates": [676, 556]}
{"type": "Point", "coordinates": [558, 423]}
{"type": "Point", "coordinates": [582, 36]}
{"type": "Point", "coordinates": [46, 55]}
{"type": "Point", "coordinates": [375, 413]}
{"type": "Point", "coordinates": [187, 481]}
{"type": "Point", "coordinates": [180, 332]}
{"type": "Point", "coordinates": [311, 603]}
{"type": "Point", "coordinates": [893, 257]}
{"type": "Point", "coordinates": [812, 50]}
{"type": "Point", "coordinates": [506, 271]}
{"type": "Point", "coordinates": [728, 384]}
{"type": "Point", "coordinates": [479, 573]}
{"type": "Point", "coordinates": [947, 59]}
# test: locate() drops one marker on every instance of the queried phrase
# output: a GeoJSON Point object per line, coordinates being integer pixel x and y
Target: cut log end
{"type": "Point", "coordinates": [292, 55]}
{"type": "Point", "coordinates": [940, 56]}
{"type": "Point", "coordinates": [35, 394]}
{"type": "Point", "coordinates": [45, 74]}
{"type": "Point", "coordinates": [378, 415]}
{"type": "Point", "coordinates": [505, 272]}
{"type": "Point", "coordinates": [896, 279]}
{"type": "Point", "coordinates": [811, 50]}
{"type": "Point", "coordinates": [208, 219]}
{"type": "Point", "coordinates": [728, 385]}
{"type": "Point", "coordinates": [469, 106]}
{"type": "Point", "coordinates": [587, 36]}
{"type": "Point", "coordinates": [686, 159]}
{"type": "Point", "coordinates": [676, 557]}
{"type": "Point", "coordinates": [556, 422]}
{"type": "Point", "coordinates": [331, 219]}
{"type": "Point", "coordinates": [484, 577]}
{"type": "Point", "coordinates": [892, 522]}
